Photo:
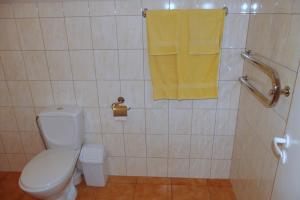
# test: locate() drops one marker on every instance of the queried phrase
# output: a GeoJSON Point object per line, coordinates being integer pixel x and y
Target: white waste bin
{"type": "Point", "coordinates": [93, 161]}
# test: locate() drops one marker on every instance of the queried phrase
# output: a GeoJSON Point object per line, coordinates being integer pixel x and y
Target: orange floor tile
{"type": "Point", "coordinates": [133, 188]}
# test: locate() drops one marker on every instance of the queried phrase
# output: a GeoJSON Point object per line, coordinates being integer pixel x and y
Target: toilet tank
{"type": "Point", "coordinates": [62, 127]}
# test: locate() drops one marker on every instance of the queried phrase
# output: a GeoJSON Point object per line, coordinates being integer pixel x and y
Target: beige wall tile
{"type": "Point", "coordinates": [54, 32]}
{"type": "Point", "coordinates": [30, 34]}
{"type": "Point", "coordinates": [135, 145]}
{"type": "Point", "coordinates": [134, 92]}
{"type": "Point", "coordinates": [109, 123]}
{"type": "Point", "coordinates": [63, 92]}
{"type": "Point", "coordinates": [128, 7]}
{"type": "Point", "coordinates": [83, 65]}
{"type": "Point", "coordinates": [116, 166]}
{"type": "Point", "coordinates": [20, 93]}
{"type": "Point", "coordinates": [12, 142]}
{"type": "Point", "coordinates": [199, 168]}
{"type": "Point", "coordinates": [157, 121]}
{"type": "Point", "coordinates": [114, 143]}
{"type": "Point", "coordinates": [106, 64]}
{"type": "Point", "coordinates": [135, 122]}
{"type": "Point", "coordinates": [157, 146]}
{"type": "Point", "coordinates": [5, 96]}
{"type": "Point", "coordinates": [130, 32]}
{"type": "Point", "coordinates": [157, 167]}
{"type": "Point", "coordinates": [76, 8]}
{"type": "Point", "coordinates": [131, 64]}
{"type": "Point", "coordinates": [9, 39]}
{"type": "Point", "coordinates": [32, 142]}
{"type": "Point", "coordinates": [42, 93]}
{"type": "Point", "coordinates": [104, 32]}
{"type": "Point", "coordinates": [59, 65]}
{"type": "Point", "coordinates": [16, 161]}
{"type": "Point", "coordinates": [180, 121]}
{"type": "Point", "coordinates": [178, 167]}
{"type": "Point", "coordinates": [203, 121]}
{"type": "Point", "coordinates": [136, 166]}
{"type": "Point", "coordinates": [201, 146]}
{"type": "Point", "coordinates": [50, 9]}
{"type": "Point", "coordinates": [79, 33]}
{"type": "Point", "coordinates": [25, 10]}
{"type": "Point", "coordinates": [36, 65]}
{"type": "Point", "coordinates": [84, 89]}
{"type": "Point", "coordinates": [13, 65]}
{"type": "Point", "coordinates": [179, 146]}
{"type": "Point", "coordinates": [25, 119]}
{"type": "Point", "coordinates": [6, 10]}
{"type": "Point", "coordinates": [101, 8]}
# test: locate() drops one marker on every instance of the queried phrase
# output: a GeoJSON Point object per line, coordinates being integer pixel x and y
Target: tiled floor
{"type": "Point", "coordinates": [134, 188]}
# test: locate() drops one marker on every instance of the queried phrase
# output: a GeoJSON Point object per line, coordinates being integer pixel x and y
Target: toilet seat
{"type": "Point", "coordinates": [48, 169]}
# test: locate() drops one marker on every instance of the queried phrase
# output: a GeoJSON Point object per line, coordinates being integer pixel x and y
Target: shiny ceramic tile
{"type": "Point", "coordinates": [82, 63]}
{"type": "Point", "coordinates": [114, 144]}
{"type": "Point", "coordinates": [157, 167]}
{"type": "Point", "coordinates": [54, 33]}
{"type": "Point", "coordinates": [157, 145]}
{"type": "Point", "coordinates": [109, 123]}
{"type": "Point", "coordinates": [7, 119]}
{"type": "Point", "coordinates": [136, 166]}
{"type": "Point", "coordinates": [225, 122]}
{"type": "Point", "coordinates": [106, 64]}
{"type": "Point", "coordinates": [41, 93]}
{"type": "Point", "coordinates": [128, 7]}
{"type": "Point", "coordinates": [220, 168]}
{"type": "Point", "coordinates": [20, 93]}
{"type": "Point", "coordinates": [135, 122]}
{"type": "Point", "coordinates": [79, 33]}
{"type": "Point", "coordinates": [101, 8]}
{"type": "Point", "coordinates": [30, 34]}
{"type": "Point", "coordinates": [157, 121]}
{"type": "Point", "coordinates": [203, 121]}
{"type": "Point", "coordinates": [32, 142]}
{"type": "Point", "coordinates": [25, 10]}
{"type": "Point", "coordinates": [76, 8]}
{"type": "Point", "coordinates": [199, 168]}
{"type": "Point", "coordinates": [134, 91]}
{"type": "Point", "coordinates": [63, 92]}
{"type": "Point", "coordinates": [25, 119]}
{"type": "Point", "coordinates": [130, 32]}
{"type": "Point", "coordinates": [108, 91]}
{"type": "Point", "coordinates": [177, 167]}
{"type": "Point", "coordinates": [36, 65]}
{"type": "Point", "coordinates": [116, 165]}
{"type": "Point", "coordinates": [104, 32]}
{"type": "Point", "coordinates": [223, 146]}
{"type": "Point", "coordinates": [13, 65]}
{"type": "Point", "coordinates": [131, 64]}
{"type": "Point", "coordinates": [5, 97]}
{"type": "Point", "coordinates": [135, 145]}
{"type": "Point", "coordinates": [85, 89]}
{"type": "Point", "coordinates": [6, 10]}
{"type": "Point", "coordinates": [231, 67]}
{"type": "Point", "coordinates": [9, 35]}
{"type": "Point", "coordinates": [180, 121]}
{"type": "Point", "coordinates": [92, 120]}
{"type": "Point", "coordinates": [59, 65]}
{"type": "Point", "coordinates": [229, 93]}
{"type": "Point", "coordinates": [50, 9]}
{"type": "Point", "coordinates": [179, 146]}
{"type": "Point", "coordinates": [12, 142]}
{"type": "Point", "coordinates": [201, 146]}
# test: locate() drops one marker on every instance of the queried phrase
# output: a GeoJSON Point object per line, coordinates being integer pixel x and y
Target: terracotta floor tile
{"type": "Point", "coordinates": [85, 192]}
{"type": "Point", "coordinates": [184, 192]}
{"type": "Point", "coordinates": [152, 192]}
{"type": "Point", "coordinates": [115, 191]}
{"type": "Point", "coordinates": [221, 193]}
{"type": "Point", "coordinates": [154, 180]}
{"type": "Point", "coordinates": [188, 181]}
{"type": "Point", "coordinates": [122, 179]}
{"type": "Point", "coordinates": [219, 182]}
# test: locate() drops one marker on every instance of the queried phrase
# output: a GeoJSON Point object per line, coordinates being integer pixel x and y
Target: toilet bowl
{"type": "Point", "coordinates": [49, 175]}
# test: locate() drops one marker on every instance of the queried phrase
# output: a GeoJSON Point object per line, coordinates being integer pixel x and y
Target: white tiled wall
{"type": "Point", "coordinates": [87, 53]}
{"type": "Point", "coordinates": [273, 27]}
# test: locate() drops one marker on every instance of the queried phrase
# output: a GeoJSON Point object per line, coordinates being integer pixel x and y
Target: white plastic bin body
{"type": "Point", "coordinates": [93, 161]}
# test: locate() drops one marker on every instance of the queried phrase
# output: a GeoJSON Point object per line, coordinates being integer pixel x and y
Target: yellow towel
{"type": "Point", "coordinates": [162, 50]}
{"type": "Point", "coordinates": [184, 59]}
{"type": "Point", "coordinates": [198, 53]}
{"type": "Point", "coordinates": [205, 30]}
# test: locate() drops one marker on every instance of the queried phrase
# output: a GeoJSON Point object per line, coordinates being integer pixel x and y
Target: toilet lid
{"type": "Point", "coordinates": [48, 169]}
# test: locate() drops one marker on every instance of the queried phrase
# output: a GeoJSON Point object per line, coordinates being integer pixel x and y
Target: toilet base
{"type": "Point", "coordinates": [69, 193]}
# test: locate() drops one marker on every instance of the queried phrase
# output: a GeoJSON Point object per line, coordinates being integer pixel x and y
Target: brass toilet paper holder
{"type": "Point", "coordinates": [119, 109]}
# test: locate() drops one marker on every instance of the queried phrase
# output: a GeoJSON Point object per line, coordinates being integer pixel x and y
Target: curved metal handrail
{"type": "Point", "coordinates": [276, 90]}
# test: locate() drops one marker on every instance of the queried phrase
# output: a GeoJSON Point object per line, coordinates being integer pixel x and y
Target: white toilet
{"type": "Point", "coordinates": [49, 175]}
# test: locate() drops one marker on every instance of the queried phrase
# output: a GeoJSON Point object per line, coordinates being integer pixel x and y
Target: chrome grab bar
{"type": "Point", "coordinates": [276, 90]}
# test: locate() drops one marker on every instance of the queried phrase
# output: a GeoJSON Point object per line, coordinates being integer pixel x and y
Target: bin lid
{"type": "Point", "coordinates": [92, 153]}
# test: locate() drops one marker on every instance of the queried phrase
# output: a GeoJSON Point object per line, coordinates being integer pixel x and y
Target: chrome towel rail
{"type": "Point", "coordinates": [276, 90]}
{"type": "Point", "coordinates": [144, 12]}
